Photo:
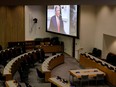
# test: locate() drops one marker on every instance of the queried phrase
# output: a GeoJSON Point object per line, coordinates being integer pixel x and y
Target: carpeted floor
{"type": "Point", "coordinates": [61, 70]}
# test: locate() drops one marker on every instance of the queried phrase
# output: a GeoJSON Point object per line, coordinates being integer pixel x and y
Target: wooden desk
{"type": "Point", "coordinates": [11, 83]}
{"type": "Point", "coordinates": [86, 61]}
{"type": "Point", "coordinates": [90, 72]}
{"type": "Point", "coordinates": [51, 48]}
{"type": "Point", "coordinates": [8, 70]}
{"type": "Point", "coordinates": [50, 63]}
{"type": "Point", "coordinates": [13, 66]}
{"type": "Point", "coordinates": [58, 83]}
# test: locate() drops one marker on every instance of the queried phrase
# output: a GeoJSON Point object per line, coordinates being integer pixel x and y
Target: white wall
{"type": "Point", "coordinates": [87, 28]}
{"type": "Point", "coordinates": [109, 45]}
{"type": "Point", "coordinates": [39, 12]}
{"type": "Point", "coordinates": [106, 24]}
{"type": "Point", "coordinates": [67, 43]}
{"type": "Point", "coordinates": [38, 31]}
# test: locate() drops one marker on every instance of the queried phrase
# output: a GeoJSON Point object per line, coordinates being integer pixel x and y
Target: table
{"type": "Point", "coordinates": [90, 72]}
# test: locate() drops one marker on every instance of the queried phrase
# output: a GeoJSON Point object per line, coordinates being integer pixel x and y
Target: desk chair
{"type": "Point", "coordinates": [84, 79]}
{"type": "Point", "coordinates": [40, 74]}
{"type": "Point", "coordinates": [73, 85]}
{"type": "Point", "coordinates": [19, 85]}
{"type": "Point", "coordinates": [27, 85]}
{"type": "Point", "coordinates": [100, 78]}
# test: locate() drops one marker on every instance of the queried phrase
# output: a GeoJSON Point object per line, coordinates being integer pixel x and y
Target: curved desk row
{"type": "Point", "coordinates": [13, 66]}
{"type": "Point", "coordinates": [51, 63]}
{"type": "Point", "coordinates": [8, 54]}
{"type": "Point", "coordinates": [87, 60]}
{"type": "Point", "coordinates": [103, 63]}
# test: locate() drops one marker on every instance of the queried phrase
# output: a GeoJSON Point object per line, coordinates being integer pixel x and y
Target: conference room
{"type": "Point", "coordinates": [32, 55]}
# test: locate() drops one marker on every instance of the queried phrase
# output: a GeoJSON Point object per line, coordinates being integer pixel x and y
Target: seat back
{"type": "Point", "coordinates": [111, 58]}
{"type": "Point", "coordinates": [84, 77]}
{"type": "Point", "coordinates": [96, 52]}
{"type": "Point", "coordinates": [100, 77]}
{"type": "Point", "coordinates": [40, 74]}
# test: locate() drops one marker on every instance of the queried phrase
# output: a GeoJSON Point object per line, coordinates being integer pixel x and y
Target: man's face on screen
{"type": "Point", "coordinates": [58, 11]}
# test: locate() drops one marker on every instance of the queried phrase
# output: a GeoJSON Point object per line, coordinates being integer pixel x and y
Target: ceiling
{"type": "Point", "coordinates": [46, 2]}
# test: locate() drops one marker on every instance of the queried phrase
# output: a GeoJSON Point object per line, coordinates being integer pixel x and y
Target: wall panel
{"type": "Point", "coordinates": [12, 24]}
{"type": "Point", "coordinates": [2, 25]}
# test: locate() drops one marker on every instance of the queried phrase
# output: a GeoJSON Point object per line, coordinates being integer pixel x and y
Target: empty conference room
{"type": "Point", "coordinates": [58, 43]}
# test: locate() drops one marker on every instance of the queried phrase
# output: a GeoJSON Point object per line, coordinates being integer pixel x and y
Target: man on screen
{"type": "Point", "coordinates": [56, 22]}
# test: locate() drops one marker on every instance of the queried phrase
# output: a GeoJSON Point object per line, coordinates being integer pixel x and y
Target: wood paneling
{"type": "Point", "coordinates": [2, 25]}
{"type": "Point", "coordinates": [11, 24]}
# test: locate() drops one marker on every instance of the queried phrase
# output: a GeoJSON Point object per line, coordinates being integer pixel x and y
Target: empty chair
{"type": "Point", "coordinates": [41, 55]}
{"type": "Point", "coordinates": [99, 78]}
{"type": "Point", "coordinates": [40, 74]}
{"type": "Point", "coordinates": [27, 84]}
{"type": "Point", "coordinates": [4, 58]}
{"type": "Point", "coordinates": [34, 57]}
{"type": "Point", "coordinates": [96, 52]}
{"type": "Point", "coordinates": [55, 41]}
{"type": "Point", "coordinates": [30, 60]}
{"type": "Point", "coordinates": [46, 41]}
{"type": "Point", "coordinates": [23, 77]}
{"type": "Point", "coordinates": [84, 79]}
{"type": "Point", "coordinates": [111, 58]}
{"type": "Point", "coordinates": [19, 85]}
{"type": "Point", "coordinates": [72, 84]}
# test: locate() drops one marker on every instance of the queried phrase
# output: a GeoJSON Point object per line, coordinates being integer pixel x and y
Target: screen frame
{"type": "Point", "coordinates": [77, 27]}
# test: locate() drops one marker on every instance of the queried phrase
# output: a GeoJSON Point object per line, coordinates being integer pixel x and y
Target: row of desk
{"type": "Point", "coordinates": [93, 72]}
{"type": "Point", "coordinates": [90, 61]}
{"type": "Point", "coordinates": [59, 82]}
{"type": "Point", "coordinates": [50, 63]}
{"type": "Point", "coordinates": [14, 64]}
{"type": "Point", "coordinates": [12, 67]}
{"type": "Point", "coordinates": [46, 67]}
{"type": "Point", "coordinates": [103, 63]}
{"type": "Point", "coordinates": [30, 45]}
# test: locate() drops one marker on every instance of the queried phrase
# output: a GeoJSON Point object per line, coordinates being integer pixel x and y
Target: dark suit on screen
{"type": "Point", "coordinates": [53, 25]}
